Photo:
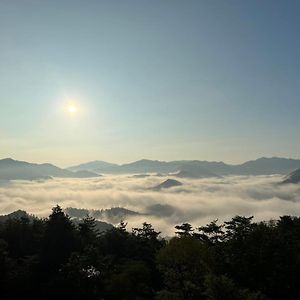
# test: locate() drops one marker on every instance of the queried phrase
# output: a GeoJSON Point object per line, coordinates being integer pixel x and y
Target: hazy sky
{"type": "Point", "coordinates": [159, 79]}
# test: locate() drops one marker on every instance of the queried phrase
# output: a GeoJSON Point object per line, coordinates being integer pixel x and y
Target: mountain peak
{"type": "Point", "coordinates": [8, 159]}
{"type": "Point", "coordinates": [293, 177]}
{"type": "Point", "coordinates": [167, 184]}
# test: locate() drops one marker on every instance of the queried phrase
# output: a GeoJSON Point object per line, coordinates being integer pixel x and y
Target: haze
{"type": "Point", "coordinates": [196, 201]}
{"type": "Point", "coordinates": [209, 80]}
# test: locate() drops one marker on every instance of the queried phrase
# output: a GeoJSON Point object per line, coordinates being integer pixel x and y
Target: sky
{"type": "Point", "coordinates": [160, 79]}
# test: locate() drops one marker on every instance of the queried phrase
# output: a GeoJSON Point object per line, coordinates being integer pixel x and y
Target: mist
{"type": "Point", "coordinates": [196, 201]}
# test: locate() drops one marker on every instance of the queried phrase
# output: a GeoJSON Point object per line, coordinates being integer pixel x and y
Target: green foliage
{"type": "Point", "coordinates": [239, 259]}
{"type": "Point", "coordinates": [183, 265]}
{"type": "Point", "coordinates": [167, 295]}
{"type": "Point", "coordinates": [131, 281]}
{"type": "Point", "coordinates": [59, 241]}
{"type": "Point", "coordinates": [88, 231]}
{"type": "Point", "coordinates": [223, 288]}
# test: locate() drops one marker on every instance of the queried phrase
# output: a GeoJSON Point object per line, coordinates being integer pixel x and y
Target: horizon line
{"type": "Point", "coordinates": [153, 160]}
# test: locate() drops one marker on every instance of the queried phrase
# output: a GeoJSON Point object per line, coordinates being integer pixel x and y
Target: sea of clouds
{"type": "Point", "coordinates": [197, 201]}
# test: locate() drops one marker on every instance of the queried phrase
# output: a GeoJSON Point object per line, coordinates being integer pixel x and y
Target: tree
{"type": "Point", "coordinates": [183, 265]}
{"type": "Point", "coordinates": [59, 241]}
{"type": "Point", "coordinates": [88, 231]}
{"type": "Point", "coordinates": [239, 227]}
{"type": "Point", "coordinates": [131, 280]}
{"type": "Point", "coordinates": [185, 229]}
{"type": "Point", "coordinates": [122, 226]}
{"type": "Point", "coordinates": [223, 288]}
{"type": "Point", "coordinates": [211, 233]}
{"type": "Point", "coordinates": [146, 232]}
{"type": "Point", "coordinates": [5, 264]}
{"type": "Point", "coordinates": [82, 277]}
{"type": "Point", "coordinates": [148, 243]}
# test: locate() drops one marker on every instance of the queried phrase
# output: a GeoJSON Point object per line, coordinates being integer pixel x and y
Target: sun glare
{"type": "Point", "coordinates": [72, 109]}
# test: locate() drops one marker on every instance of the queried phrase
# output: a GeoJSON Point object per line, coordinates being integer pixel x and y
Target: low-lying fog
{"type": "Point", "coordinates": [196, 201]}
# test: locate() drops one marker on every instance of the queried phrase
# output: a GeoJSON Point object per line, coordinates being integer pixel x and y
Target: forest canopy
{"type": "Point", "coordinates": [237, 259]}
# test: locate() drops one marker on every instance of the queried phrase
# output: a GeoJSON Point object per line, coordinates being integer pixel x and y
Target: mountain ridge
{"type": "Point", "coordinates": [11, 169]}
{"type": "Point", "coordinates": [293, 177]}
{"type": "Point", "coordinates": [260, 166]}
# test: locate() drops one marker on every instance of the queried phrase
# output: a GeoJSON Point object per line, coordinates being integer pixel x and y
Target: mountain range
{"type": "Point", "coordinates": [11, 169]}
{"type": "Point", "coordinates": [195, 168]}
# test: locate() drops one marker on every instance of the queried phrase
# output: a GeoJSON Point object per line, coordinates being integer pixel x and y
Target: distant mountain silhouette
{"type": "Point", "coordinates": [145, 166]}
{"type": "Point", "coordinates": [113, 215]}
{"type": "Point", "coordinates": [97, 166]}
{"type": "Point", "coordinates": [194, 171]}
{"type": "Point", "coordinates": [12, 169]}
{"type": "Point", "coordinates": [163, 210]}
{"type": "Point", "coordinates": [267, 166]}
{"type": "Point", "coordinates": [20, 170]}
{"type": "Point", "coordinates": [140, 175]}
{"type": "Point", "coordinates": [293, 177]}
{"type": "Point", "coordinates": [167, 184]}
{"type": "Point", "coordinates": [261, 166]}
{"type": "Point", "coordinates": [85, 174]}
{"type": "Point", "coordinates": [18, 214]}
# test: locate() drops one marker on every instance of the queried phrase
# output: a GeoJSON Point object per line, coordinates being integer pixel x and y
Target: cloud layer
{"type": "Point", "coordinates": [196, 201]}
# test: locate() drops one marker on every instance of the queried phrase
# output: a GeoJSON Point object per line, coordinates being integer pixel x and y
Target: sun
{"type": "Point", "coordinates": [72, 109]}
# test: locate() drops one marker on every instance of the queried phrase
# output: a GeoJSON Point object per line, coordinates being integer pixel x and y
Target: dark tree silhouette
{"type": "Point", "coordinates": [239, 259]}
{"type": "Point", "coordinates": [185, 229]}
{"type": "Point", "coordinates": [59, 241]}
{"type": "Point", "coordinates": [88, 231]}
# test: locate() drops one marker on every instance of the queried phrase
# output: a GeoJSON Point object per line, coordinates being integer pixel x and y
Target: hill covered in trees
{"type": "Point", "coordinates": [239, 259]}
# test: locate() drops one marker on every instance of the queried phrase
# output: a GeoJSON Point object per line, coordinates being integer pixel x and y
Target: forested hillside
{"type": "Point", "coordinates": [239, 259]}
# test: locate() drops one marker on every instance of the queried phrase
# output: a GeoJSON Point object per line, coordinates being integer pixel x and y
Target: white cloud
{"type": "Point", "coordinates": [197, 201]}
